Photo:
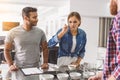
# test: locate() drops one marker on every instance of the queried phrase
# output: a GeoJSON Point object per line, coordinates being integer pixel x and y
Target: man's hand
{"type": "Point", "coordinates": [45, 66]}
{"type": "Point", "coordinates": [111, 78]}
{"type": "Point", "coordinates": [93, 78]}
{"type": "Point", "coordinates": [96, 77]}
{"type": "Point", "coordinates": [13, 68]}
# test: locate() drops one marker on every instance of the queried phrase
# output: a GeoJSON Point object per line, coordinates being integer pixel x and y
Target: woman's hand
{"type": "Point", "coordinates": [64, 30]}
{"type": "Point", "coordinates": [76, 64]}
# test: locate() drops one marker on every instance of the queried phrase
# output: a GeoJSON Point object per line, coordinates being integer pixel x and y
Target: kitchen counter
{"type": "Point", "coordinates": [54, 70]}
{"type": "Point", "coordinates": [85, 74]}
{"type": "Point", "coordinates": [63, 69]}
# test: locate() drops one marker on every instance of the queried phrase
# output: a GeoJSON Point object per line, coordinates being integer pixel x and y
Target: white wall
{"type": "Point", "coordinates": [90, 8]}
{"type": "Point", "coordinates": [91, 26]}
{"type": "Point", "coordinates": [90, 12]}
{"type": "Point", "coordinates": [9, 18]}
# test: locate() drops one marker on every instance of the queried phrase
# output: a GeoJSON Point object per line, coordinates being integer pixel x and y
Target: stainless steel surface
{"type": "Point", "coordinates": [62, 69]}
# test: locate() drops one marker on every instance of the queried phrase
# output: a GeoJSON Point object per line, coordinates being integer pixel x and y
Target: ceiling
{"type": "Point", "coordinates": [35, 2]}
{"type": "Point", "coordinates": [15, 6]}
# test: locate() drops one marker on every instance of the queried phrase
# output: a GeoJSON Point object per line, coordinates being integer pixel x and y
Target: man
{"type": "Point", "coordinates": [112, 61]}
{"type": "Point", "coordinates": [27, 40]}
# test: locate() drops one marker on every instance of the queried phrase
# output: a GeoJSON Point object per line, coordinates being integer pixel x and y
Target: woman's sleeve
{"type": "Point", "coordinates": [54, 40]}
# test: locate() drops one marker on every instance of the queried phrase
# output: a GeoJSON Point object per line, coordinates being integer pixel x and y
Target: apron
{"type": "Point", "coordinates": [66, 60]}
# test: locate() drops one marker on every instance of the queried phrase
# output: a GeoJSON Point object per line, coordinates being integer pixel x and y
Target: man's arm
{"type": "Point", "coordinates": [8, 58]}
{"type": "Point", "coordinates": [45, 51]}
{"type": "Point", "coordinates": [7, 50]}
{"type": "Point", "coordinates": [44, 46]}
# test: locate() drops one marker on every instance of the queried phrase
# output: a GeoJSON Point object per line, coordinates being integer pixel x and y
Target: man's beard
{"type": "Point", "coordinates": [113, 8]}
{"type": "Point", "coordinates": [33, 24]}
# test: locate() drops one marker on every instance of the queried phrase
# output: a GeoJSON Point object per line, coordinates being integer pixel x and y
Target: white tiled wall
{"type": "Point", "coordinates": [101, 53]}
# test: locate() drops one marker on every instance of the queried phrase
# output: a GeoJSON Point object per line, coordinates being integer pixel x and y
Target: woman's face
{"type": "Point", "coordinates": [73, 23]}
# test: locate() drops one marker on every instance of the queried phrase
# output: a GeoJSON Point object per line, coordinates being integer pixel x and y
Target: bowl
{"type": "Point", "coordinates": [62, 76]}
{"type": "Point", "coordinates": [75, 75]}
{"type": "Point", "coordinates": [91, 73]}
{"type": "Point", "coordinates": [46, 77]}
{"type": "Point", "coordinates": [72, 67]}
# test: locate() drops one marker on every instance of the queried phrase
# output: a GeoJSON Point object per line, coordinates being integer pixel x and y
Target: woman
{"type": "Point", "coordinates": [72, 41]}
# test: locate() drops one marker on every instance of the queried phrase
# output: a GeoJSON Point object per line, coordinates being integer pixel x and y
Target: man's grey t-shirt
{"type": "Point", "coordinates": [27, 45]}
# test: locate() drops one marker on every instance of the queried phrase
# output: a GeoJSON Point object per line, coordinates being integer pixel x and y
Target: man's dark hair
{"type": "Point", "coordinates": [27, 10]}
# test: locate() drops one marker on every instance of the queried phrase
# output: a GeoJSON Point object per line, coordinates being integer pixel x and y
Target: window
{"type": "Point", "coordinates": [104, 26]}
